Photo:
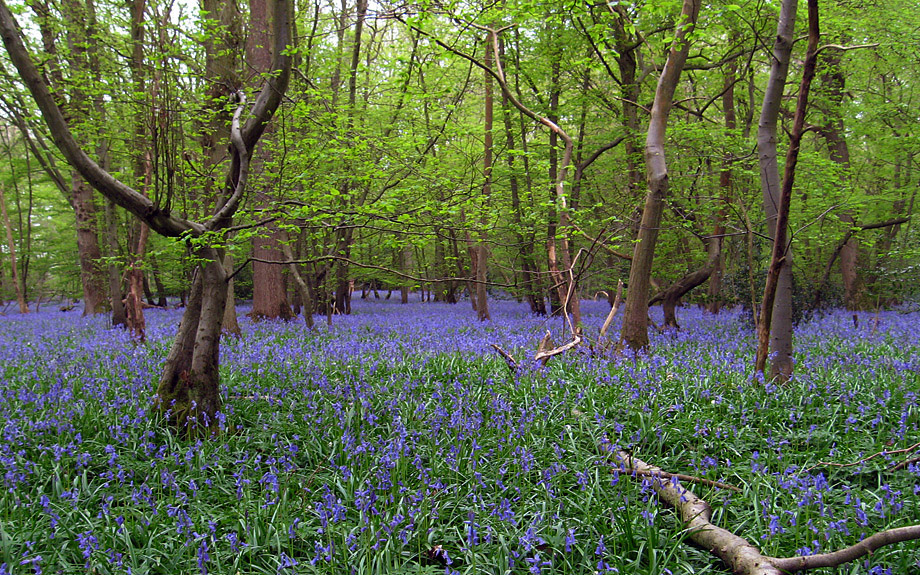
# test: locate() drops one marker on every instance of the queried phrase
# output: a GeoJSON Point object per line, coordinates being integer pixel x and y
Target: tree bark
{"type": "Point", "coordinates": [780, 330]}
{"type": "Point", "coordinates": [634, 334]}
{"type": "Point", "coordinates": [11, 246]}
{"type": "Point", "coordinates": [834, 82]}
{"type": "Point", "coordinates": [84, 208]}
{"type": "Point", "coordinates": [189, 386]}
{"type": "Point", "coordinates": [482, 250]}
{"type": "Point", "coordinates": [119, 315]}
{"type": "Point", "coordinates": [781, 366]}
{"type": "Point", "coordinates": [269, 296]}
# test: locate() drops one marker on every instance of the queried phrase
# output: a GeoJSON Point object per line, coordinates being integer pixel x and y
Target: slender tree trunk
{"type": "Point", "coordinates": [635, 320]}
{"type": "Point", "coordinates": [714, 247]}
{"type": "Point", "coordinates": [143, 170]}
{"type": "Point", "coordinates": [303, 288]}
{"type": "Point", "coordinates": [781, 366]}
{"type": "Point", "coordinates": [119, 315]}
{"type": "Point", "coordinates": [161, 300]}
{"type": "Point", "coordinates": [627, 46]}
{"type": "Point", "coordinates": [532, 292]}
{"type": "Point", "coordinates": [11, 246]}
{"type": "Point", "coordinates": [834, 82]}
{"type": "Point", "coordinates": [482, 250]}
{"type": "Point", "coordinates": [780, 329]}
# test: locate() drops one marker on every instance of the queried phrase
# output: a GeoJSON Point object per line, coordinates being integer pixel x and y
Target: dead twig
{"type": "Point", "coordinates": [613, 310]}
{"type": "Point", "coordinates": [544, 352]}
{"type": "Point", "coordinates": [865, 459]}
{"type": "Point", "coordinates": [682, 477]}
{"type": "Point", "coordinates": [512, 363]}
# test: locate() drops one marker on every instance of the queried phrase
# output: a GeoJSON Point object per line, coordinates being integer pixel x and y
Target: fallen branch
{"type": "Point", "coordinates": [543, 354]}
{"type": "Point", "coordinates": [687, 478]}
{"type": "Point", "coordinates": [613, 310]}
{"type": "Point", "coordinates": [737, 553]}
{"type": "Point", "coordinates": [512, 363]}
{"type": "Point", "coordinates": [865, 459]}
{"type": "Point", "coordinates": [851, 553]}
{"type": "Point", "coordinates": [545, 350]}
{"type": "Point", "coordinates": [904, 464]}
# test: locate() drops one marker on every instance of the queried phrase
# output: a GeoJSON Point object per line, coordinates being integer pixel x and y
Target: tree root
{"type": "Point", "coordinates": [736, 552]}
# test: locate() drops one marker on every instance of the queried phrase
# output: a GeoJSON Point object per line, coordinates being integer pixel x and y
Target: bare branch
{"type": "Point", "coordinates": [613, 310]}
{"type": "Point", "coordinates": [864, 459]}
{"type": "Point", "coordinates": [851, 553]}
{"type": "Point", "coordinates": [545, 355]}
{"type": "Point", "coordinates": [681, 477]}
{"type": "Point", "coordinates": [840, 48]}
{"type": "Point", "coordinates": [512, 363]}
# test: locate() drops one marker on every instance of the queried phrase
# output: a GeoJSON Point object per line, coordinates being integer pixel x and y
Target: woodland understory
{"type": "Point", "coordinates": [398, 441]}
{"type": "Point", "coordinates": [475, 209]}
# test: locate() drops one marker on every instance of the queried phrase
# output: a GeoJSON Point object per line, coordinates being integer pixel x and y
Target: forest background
{"type": "Point", "coordinates": [486, 149]}
{"type": "Point", "coordinates": [738, 155]}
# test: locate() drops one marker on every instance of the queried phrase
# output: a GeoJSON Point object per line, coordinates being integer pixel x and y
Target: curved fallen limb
{"type": "Point", "coordinates": [851, 553]}
{"type": "Point", "coordinates": [739, 554]}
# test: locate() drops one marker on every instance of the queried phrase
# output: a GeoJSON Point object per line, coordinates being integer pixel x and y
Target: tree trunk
{"type": "Point", "coordinates": [303, 288]}
{"type": "Point", "coordinates": [84, 207]}
{"type": "Point", "coordinates": [780, 329]}
{"type": "Point", "coordinates": [635, 320]}
{"type": "Point", "coordinates": [134, 302]}
{"type": "Point", "coordinates": [158, 281]}
{"type": "Point", "coordinates": [269, 297]}
{"type": "Point", "coordinates": [230, 324]}
{"type": "Point", "coordinates": [269, 300]}
{"type": "Point", "coordinates": [834, 82]}
{"type": "Point", "coordinates": [11, 246]}
{"type": "Point", "coordinates": [143, 170]}
{"type": "Point", "coordinates": [188, 392]}
{"type": "Point", "coordinates": [482, 250]}
{"type": "Point", "coordinates": [714, 247]}
{"type": "Point", "coordinates": [119, 315]}
{"type": "Point", "coordinates": [222, 60]}
{"type": "Point", "coordinates": [781, 366]}
{"type": "Point", "coordinates": [627, 45]}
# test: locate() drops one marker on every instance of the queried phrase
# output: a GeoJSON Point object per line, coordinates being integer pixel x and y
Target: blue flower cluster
{"type": "Point", "coordinates": [397, 441]}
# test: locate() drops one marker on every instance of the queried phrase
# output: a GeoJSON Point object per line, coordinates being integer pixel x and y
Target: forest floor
{"type": "Point", "coordinates": [398, 441]}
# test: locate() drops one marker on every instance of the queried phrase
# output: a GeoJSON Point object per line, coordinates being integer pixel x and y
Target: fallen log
{"type": "Point", "coordinates": [737, 553]}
